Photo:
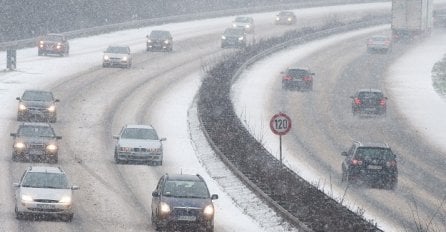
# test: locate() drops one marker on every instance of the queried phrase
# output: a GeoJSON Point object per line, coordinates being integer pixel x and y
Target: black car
{"type": "Point", "coordinates": [297, 78]}
{"type": "Point", "coordinates": [370, 162]}
{"type": "Point", "coordinates": [183, 201]}
{"type": "Point", "coordinates": [159, 40]}
{"type": "Point", "coordinates": [35, 141]}
{"type": "Point", "coordinates": [53, 44]}
{"type": "Point", "coordinates": [37, 105]}
{"type": "Point", "coordinates": [369, 101]}
{"type": "Point", "coordinates": [285, 17]}
{"type": "Point", "coordinates": [234, 37]}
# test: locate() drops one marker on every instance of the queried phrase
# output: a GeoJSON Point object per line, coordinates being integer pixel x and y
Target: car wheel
{"type": "Point", "coordinates": [117, 161]}
{"type": "Point", "coordinates": [53, 120]}
{"type": "Point", "coordinates": [18, 215]}
{"type": "Point", "coordinates": [54, 159]}
{"type": "Point", "coordinates": [15, 157]}
{"type": "Point", "coordinates": [39, 53]}
{"type": "Point", "coordinates": [19, 118]}
{"type": "Point", "coordinates": [155, 223]}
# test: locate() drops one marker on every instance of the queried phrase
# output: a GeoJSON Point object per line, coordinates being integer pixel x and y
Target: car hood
{"type": "Point", "coordinates": [39, 104]}
{"type": "Point", "coordinates": [116, 55]}
{"type": "Point", "coordinates": [46, 193]}
{"type": "Point", "coordinates": [140, 143]}
{"type": "Point", "coordinates": [186, 202]}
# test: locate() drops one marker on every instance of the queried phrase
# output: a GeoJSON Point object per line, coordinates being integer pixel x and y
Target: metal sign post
{"type": "Point", "coordinates": [280, 124]}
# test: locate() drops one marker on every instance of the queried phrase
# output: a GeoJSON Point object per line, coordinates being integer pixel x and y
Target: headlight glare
{"type": "Point", "coordinates": [65, 200]}
{"type": "Point", "coordinates": [240, 38]}
{"type": "Point", "coordinates": [19, 145]}
{"type": "Point", "coordinates": [223, 37]}
{"type": "Point", "coordinates": [106, 57]}
{"type": "Point", "coordinates": [27, 198]}
{"type": "Point", "coordinates": [208, 210]}
{"type": "Point", "coordinates": [164, 207]}
{"type": "Point", "coordinates": [51, 147]}
{"type": "Point", "coordinates": [22, 106]}
{"type": "Point", "coordinates": [52, 108]}
{"type": "Point", "coordinates": [124, 58]}
{"type": "Point", "coordinates": [166, 41]}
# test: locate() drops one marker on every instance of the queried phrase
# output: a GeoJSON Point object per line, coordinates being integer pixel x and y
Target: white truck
{"type": "Point", "coordinates": [411, 18]}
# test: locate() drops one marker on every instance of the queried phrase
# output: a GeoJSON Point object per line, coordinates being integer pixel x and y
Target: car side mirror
{"type": "Point", "coordinates": [163, 139]}
{"type": "Point", "coordinates": [58, 137]}
{"type": "Point", "coordinates": [16, 184]}
{"type": "Point", "coordinates": [17, 98]}
{"type": "Point", "coordinates": [313, 74]}
{"type": "Point", "coordinates": [344, 153]}
{"type": "Point", "coordinates": [155, 194]}
{"type": "Point", "coordinates": [147, 36]}
{"type": "Point", "coordinates": [214, 197]}
{"type": "Point", "coordinates": [75, 187]}
{"type": "Point", "coordinates": [115, 136]}
{"type": "Point", "coordinates": [13, 134]}
{"type": "Point", "coordinates": [56, 100]}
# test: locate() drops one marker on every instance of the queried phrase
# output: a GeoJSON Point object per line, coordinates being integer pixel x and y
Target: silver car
{"type": "Point", "coordinates": [44, 190]}
{"type": "Point", "coordinates": [119, 56]}
{"type": "Point", "coordinates": [244, 22]}
{"type": "Point", "coordinates": [139, 143]}
{"type": "Point", "coordinates": [379, 43]}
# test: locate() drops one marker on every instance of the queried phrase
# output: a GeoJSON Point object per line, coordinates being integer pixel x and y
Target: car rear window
{"type": "Point", "coordinates": [298, 72]}
{"type": "Point", "coordinates": [374, 153]}
{"type": "Point", "coordinates": [374, 95]}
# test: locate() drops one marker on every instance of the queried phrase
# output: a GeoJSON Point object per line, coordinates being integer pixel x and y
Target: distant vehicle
{"type": "Point", "coordinates": [370, 162]}
{"type": "Point", "coordinates": [138, 143]}
{"type": "Point", "coordinates": [37, 105]}
{"type": "Point", "coordinates": [297, 78]}
{"type": "Point", "coordinates": [379, 43]}
{"type": "Point", "coordinates": [285, 17]}
{"type": "Point", "coordinates": [244, 22]}
{"type": "Point", "coordinates": [234, 37]}
{"type": "Point", "coordinates": [119, 56]}
{"type": "Point", "coordinates": [439, 17]}
{"type": "Point", "coordinates": [183, 200]}
{"type": "Point", "coordinates": [53, 44]}
{"type": "Point", "coordinates": [411, 18]}
{"type": "Point", "coordinates": [35, 141]}
{"type": "Point", "coordinates": [159, 40]}
{"type": "Point", "coordinates": [44, 190]}
{"type": "Point", "coordinates": [369, 101]}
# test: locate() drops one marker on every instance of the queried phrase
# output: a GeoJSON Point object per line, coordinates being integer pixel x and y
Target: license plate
{"type": "Point", "coordinates": [187, 218]}
{"type": "Point", "coordinates": [374, 167]}
{"type": "Point", "coordinates": [36, 152]}
{"type": "Point", "coordinates": [45, 206]}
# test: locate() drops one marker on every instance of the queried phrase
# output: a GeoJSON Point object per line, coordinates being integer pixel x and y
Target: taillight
{"type": "Point", "coordinates": [357, 101]}
{"type": "Point", "coordinates": [382, 102]}
{"type": "Point", "coordinates": [391, 163]}
{"type": "Point", "coordinates": [287, 78]}
{"type": "Point", "coordinates": [308, 78]}
{"type": "Point", "coordinates": [357, 162]}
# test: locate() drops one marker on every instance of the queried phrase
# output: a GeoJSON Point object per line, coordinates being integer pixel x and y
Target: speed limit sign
{"type": "Point", "coordinates": [280, 124]}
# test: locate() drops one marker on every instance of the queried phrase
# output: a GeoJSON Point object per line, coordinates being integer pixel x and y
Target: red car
{"type": "Point", "coordinates": [53, 44]}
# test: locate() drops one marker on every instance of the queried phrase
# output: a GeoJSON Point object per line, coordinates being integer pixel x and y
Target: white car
{"type": "Point", "coordinates": [119, 56]}
{"type": "Point", "coordinates": [139, 143]}
{"type": "Point", "coordinates": [244, 22]}
{"type": "Point", "coordinates": [44, 190]}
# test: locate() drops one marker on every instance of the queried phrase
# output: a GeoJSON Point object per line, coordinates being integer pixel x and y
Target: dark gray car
{"type": "Point", "coordinates": [37, 105]}
{"type": "Point", "coordinates": [234, 37]}
{"type": "Point", "coordinates": [35, 141]}
{"type": "Point", "coordinates": [160, 40]}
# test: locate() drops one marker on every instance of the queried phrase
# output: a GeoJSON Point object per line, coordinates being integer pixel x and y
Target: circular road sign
{"type": "Point", "coordinates": [280, 124]}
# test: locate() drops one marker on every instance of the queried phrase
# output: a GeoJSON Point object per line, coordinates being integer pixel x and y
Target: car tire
{"type": "Point", "coordinates": [39, 52]}
{"type": "Point", "coordinates": [53, 120]}
{"type": "Point", "coordinates": [19, 118]}
{"type": "Point", "coordinates": [18, 215]}
{"type": "Point", "coordinates": [15, 157]}
{"type": "Point", "coordinates": [117, 161]}
{"type": "Point", "coordinates": [155, 223]}
{"type": "Point", "coordinates": [54, 159]}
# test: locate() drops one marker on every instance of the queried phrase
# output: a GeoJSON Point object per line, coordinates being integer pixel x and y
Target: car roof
{"type": "Point", "coordinates": [48, 169]}
{"type": "Point", "coordinates": [373, 144]}
{"type": "Point", "coordinates": [40, 124]}
{"type": "Point", "coordinates": [184, 177]}
{"type": "Point", "coordinates": [370, 90]}
{"type": "Point", "coordinates": [55, 34]}
{"type": "Point", "coordinates": [138, 126]}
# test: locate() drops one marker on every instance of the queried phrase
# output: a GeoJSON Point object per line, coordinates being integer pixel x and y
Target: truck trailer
{"type": "Point", "coordinates": [411, 18]}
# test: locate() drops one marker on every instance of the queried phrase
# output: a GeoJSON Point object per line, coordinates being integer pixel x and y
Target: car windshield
{"type": "Point", "coordinates": [54, 38]}
{"type": "Point", "coordinates": [139, 133]}
{"type": "Point", "coordinates": [373, 95]}
{"type": "Point", "coordinates": [242, 19]}
{"type": "Point", "coordinates": [285, 14]}
{"type": "Point", "coordinates": [159, 35]}
{"type": "Point", "coordinates": [37, 96]}
{"type": "Point", "coordinates": [374, 153]}
{"type": "Point", "coordinates": [234, 31]}
{"type": "Point", "coordinates": [122, 50]}
{"type": "Point", "coordinates": [186, 189]}
{"type": "Point", "coordinates": [45, 180]}
{"type": "Point", "coordinates": [36, 131]}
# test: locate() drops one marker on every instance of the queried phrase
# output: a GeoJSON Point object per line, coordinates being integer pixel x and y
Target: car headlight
{"type": "Point", "coordinates": [65, 200]}
{"type": "Point", "coordinates": [125, 149]}
{"type": "Point", "coordinates": [166, 41]}
{"type": "Point", "coordinates": [208, 210]}
{"type": "Point", "coordinates": [124, 58]}
{"type": "Point", "coordinates": [26, 198]}
{"type": "Point", "coordinates": [52, 108]}
{"type": "Point", "coordinates": [277, 18]}
{"type": "Point", "coordinates": [223, 37]}
{"type": "Point", "coordinates": [51, 147]}
{"type": "Point", "coordinates": [22, 106]}
{"type": "Point", "coordinates": [240, 38]}
{"type": "Point", "coordinates": [234, 25]}
{"type": "Point", "coordinates": [19, 145]}
{"type": "Point", "coordinates": [164, 207]}
{"type": "Point", "coordinates": [106, 57]}
{"type": "Point", "coordinates": [149, 41]}
{"type": "Point", "coordinates": [248, 26]}
{"type": "Point", "coordinates": [289, 19]}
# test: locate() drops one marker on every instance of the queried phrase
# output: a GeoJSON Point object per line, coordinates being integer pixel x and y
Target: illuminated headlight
{"type": "Point", "coordinates": [240, 38]}
{"type": "Point", "coordinates": [166, 41]}
{"type": "Point", "coordinates": [65, 200]}
{"type": "Point", "coordinates": [106, 57]}
{"type": "Point", "coordinates": [164, 207]}
{"type": "Point", "coordinates": [59, 45]}
{"type": "Point", "coordinates": [149, 41]}
{"type": "Point", "coordinates": [248, 26]}
{"type": "Point", "coordinates": [19, 145]}
{"type": "Point", "coordinates": [51, 147]}
{"type": "Point", "coordinates": [234, 25]}
{"type": "Point", "coordinates": [289, 19]}
{"type": "Point", "coordinates": [52, 108]}
{"type": "Point", "coordinates": [125, 149]}
{"type": "Point", "coordinates": [22, 107]}
{"type": "Point", "coordinates": [208, 210]}
{"type": "Point", "coordinates": [223, 37]}
{"type": "Point", "coordinates": [277, 18]}
{"type": "Point", "coordinates": [124, 58]}
{"type": "Point", "coordinates": [27, 198]}
{"type": "Point", "coordinates": [41, 44]}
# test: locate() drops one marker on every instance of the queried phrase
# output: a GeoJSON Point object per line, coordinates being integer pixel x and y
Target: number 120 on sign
{"type": "Point", "coordinates": [280, 124]}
